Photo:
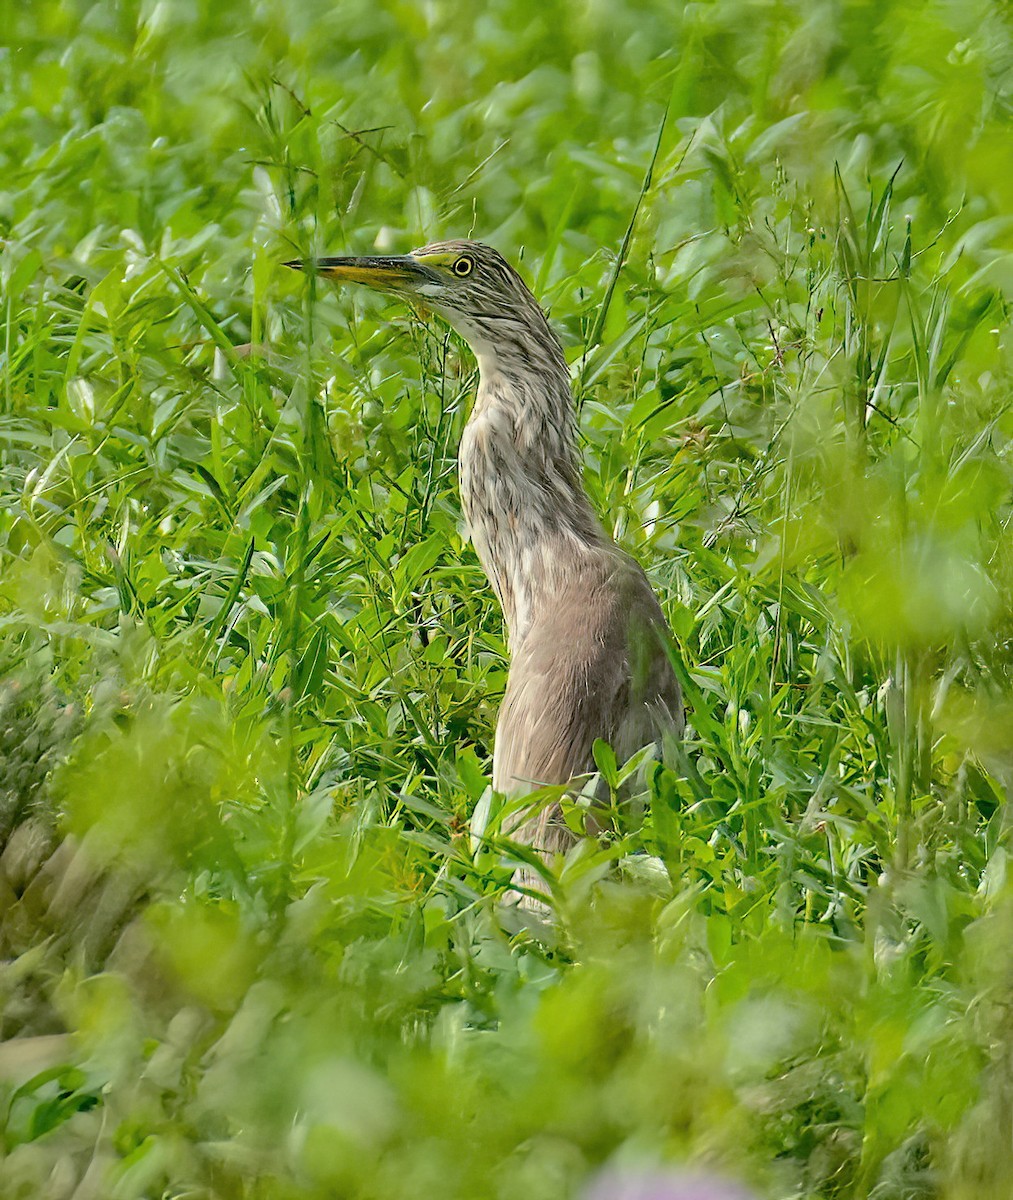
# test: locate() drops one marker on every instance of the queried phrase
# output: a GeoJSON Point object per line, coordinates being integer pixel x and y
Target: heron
{"type": "Point", "coordinates": [587, 639]}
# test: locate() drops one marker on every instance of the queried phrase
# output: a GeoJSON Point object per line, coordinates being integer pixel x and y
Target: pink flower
{"type": "Point", "coordinates": [663, 1185]}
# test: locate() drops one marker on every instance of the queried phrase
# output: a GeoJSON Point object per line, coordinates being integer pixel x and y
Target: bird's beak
{"type": "Point", "coordinates": [403, 273]}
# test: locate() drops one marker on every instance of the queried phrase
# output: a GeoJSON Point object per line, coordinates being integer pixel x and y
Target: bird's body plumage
{"type": "Point", "coordinates": [586, 633]}
{"type": "Point", "coordinates": [591, 664]}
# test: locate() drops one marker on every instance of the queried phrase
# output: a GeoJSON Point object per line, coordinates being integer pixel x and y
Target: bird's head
{"type": "Point", "coordinates": [470, 285]}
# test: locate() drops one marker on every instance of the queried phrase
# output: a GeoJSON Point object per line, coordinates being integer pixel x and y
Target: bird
{"type": "Point", "coordinates": [588, 643]}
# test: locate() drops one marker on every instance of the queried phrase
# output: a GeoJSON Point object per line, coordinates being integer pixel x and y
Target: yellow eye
{"type": "Point", "coordinates": [463, 266]}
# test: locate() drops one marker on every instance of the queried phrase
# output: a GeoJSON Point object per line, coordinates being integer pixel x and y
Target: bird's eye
{"type": "Point", "coordinates": [463, 266]}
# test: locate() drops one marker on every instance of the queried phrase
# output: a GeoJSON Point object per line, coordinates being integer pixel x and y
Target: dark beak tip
{"type": "Point", "coordinates": [296, 264]}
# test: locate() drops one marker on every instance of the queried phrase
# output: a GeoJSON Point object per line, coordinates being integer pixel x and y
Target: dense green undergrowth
{"type": "Point", "coordinates": [249, 940]}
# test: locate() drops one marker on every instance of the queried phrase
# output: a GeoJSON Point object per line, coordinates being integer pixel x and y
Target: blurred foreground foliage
{"type": "Point", "coordinates": [249, 941]}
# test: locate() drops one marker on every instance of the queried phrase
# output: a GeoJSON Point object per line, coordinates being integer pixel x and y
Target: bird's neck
{"type": "Point", "coordinates": [530, 518]}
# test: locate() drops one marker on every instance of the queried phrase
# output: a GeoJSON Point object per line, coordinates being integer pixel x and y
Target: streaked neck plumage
{"type": "Point", "coordinates": [522, 492]}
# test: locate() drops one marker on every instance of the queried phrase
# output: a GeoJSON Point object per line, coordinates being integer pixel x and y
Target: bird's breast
{"type": "Point", "coordinates": [493, 501]}
{"type": "Point", "coordinates": [527, 513]}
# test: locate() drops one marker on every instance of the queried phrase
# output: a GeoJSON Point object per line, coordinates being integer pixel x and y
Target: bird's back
{"type": "Point", "coordinates": [593, 664]}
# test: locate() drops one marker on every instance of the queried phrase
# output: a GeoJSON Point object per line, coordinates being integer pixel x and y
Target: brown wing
{"type": "Point", "coordinates": [593, 665]}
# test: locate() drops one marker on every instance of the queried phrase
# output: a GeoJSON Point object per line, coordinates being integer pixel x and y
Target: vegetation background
{"type": "Point", "coordinates": [249, 942]}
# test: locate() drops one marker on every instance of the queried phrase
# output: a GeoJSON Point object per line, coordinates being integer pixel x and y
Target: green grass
{"type": "Point", "coordinates": [249, 942]}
